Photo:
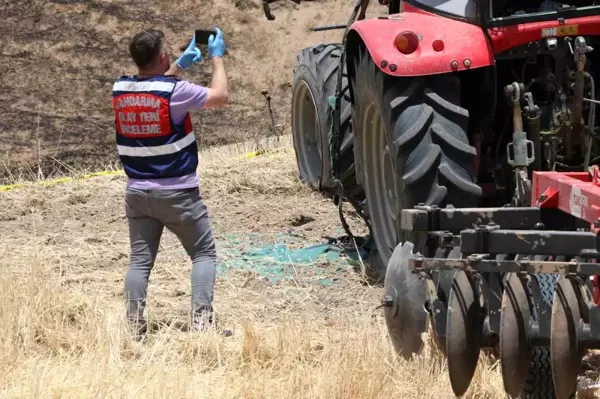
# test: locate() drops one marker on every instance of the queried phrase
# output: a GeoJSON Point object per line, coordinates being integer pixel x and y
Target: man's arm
{"type": "Point", "coordinates": [188, 96]}
{"type": "Point", "coordinates": [193, 97]}
{"type": "Point", "coordinates": [218, 93]}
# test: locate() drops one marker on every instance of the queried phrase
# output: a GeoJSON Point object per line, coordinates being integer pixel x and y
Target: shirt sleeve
{"type": "Point", "coordinates": [187, 97]}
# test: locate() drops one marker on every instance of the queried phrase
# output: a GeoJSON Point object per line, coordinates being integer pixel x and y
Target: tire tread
{"type": "Point", "coordinates": [427, 136]}
{"type": "Point", "coordinates": [539, 383]}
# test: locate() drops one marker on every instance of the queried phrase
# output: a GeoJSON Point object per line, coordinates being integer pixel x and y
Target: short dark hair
{"type": "Point", "coordinates": [145, 47]}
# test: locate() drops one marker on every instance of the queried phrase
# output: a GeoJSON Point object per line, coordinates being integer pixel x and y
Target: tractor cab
{"type": "Point", "coordinates": [466, 10]}
{"type": "Point", "coordinates": [495, 12]}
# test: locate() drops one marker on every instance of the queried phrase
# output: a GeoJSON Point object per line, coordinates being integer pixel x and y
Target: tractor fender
{"type": "Point", "coordinates": [465, 46]}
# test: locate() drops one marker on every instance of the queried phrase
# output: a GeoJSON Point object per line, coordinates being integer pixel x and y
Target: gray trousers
{"type": "Point", "coordinates": [184, 213]}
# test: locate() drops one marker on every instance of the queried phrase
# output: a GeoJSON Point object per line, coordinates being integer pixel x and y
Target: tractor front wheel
{"type": "Point", "coordinates": [315, 80]}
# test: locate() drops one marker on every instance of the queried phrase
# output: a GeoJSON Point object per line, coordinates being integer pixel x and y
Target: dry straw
{"type": "Point", "coordinates": [63, 257]}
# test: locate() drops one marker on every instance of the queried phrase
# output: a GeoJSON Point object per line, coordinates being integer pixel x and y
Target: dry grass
{"type": "Point", "coordinates": [64, 248]}
{"type": "Point", "coordinates": [63, 255]}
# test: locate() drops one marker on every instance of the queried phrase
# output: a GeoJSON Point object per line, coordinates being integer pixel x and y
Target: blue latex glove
{"type": "Point", "coordinates": [190, 56]}
{"type": "Point", "coordinates": [216, 45]}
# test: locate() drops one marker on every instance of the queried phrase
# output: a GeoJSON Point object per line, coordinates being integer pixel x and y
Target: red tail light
{"type": "Point", "coordinates": [438, 45]}
{"type": "Point", "coordinates": [407, 42]}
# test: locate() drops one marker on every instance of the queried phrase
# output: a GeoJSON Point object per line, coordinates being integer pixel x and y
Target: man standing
{"type": "Point", "coordinates": [158, 150]}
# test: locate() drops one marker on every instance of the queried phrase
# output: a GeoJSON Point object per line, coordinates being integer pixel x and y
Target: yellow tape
{"type": "Point", "coordinates": [54, 182]}
{"type": "Point", "coordinates": [11, 187]}
{"type": "Point", "coordinates": [254, 154]}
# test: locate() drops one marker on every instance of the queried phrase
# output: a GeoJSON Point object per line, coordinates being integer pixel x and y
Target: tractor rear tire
{"type": "Point", "coordinates": [411, 147]}
{"type": "Point", "coordinates": [539, 383]}
{"type": "Point", "coordinates": [315, 80]}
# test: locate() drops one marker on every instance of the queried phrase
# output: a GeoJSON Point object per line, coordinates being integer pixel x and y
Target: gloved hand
{"type": "Point", "coordinates": [190, 56]}
{"type": "Point", "coordinates": [216, 45]}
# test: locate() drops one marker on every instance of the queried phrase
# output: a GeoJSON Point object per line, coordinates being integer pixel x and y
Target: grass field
{"type": "Point", "coordinates": [63, 255]}
{"type": "Point", "coordinates": [300, 329]}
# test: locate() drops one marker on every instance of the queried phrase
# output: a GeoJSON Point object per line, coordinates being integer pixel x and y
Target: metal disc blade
{"type": "Point", "coordinates": [438, 318]}
{"type": "Point", "coordinates": [515, 352]}
{"type": "Point", "coordinates": [439, 309]}
{"type": "Point", "coordinates": [565, 352]}
{"type": "Point", "coordinates": [463, 333]}
{"type": "Point", "coordinates": [407, 318]}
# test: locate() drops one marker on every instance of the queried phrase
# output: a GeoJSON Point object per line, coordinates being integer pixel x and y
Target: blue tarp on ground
{"type": "Point", "coordinates": [280, 260]}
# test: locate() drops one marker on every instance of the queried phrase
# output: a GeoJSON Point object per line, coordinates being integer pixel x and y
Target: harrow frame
{"type": "Point", "coordinates": [562, 205]}
{"type": "Point", "coordinates": [562, 222]}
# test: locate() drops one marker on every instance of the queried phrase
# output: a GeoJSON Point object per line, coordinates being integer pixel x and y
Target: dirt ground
{"type": "Point", "coordinates": [63, 256]}
{"type": "Point", "coordinates": [60, 57]}
{"type": "Point", "coordinates": [301, 329]}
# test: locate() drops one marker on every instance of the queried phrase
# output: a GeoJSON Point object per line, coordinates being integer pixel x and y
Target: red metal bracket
{"type": "Point", "coordinates": [575, 193]}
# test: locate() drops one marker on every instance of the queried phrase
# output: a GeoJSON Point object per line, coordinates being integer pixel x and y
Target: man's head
{"type": "Point", "coordinates": [149, 52]}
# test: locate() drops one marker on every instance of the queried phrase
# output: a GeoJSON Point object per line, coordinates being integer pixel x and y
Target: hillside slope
{"type": "Point", "coordinates": [60, 58]}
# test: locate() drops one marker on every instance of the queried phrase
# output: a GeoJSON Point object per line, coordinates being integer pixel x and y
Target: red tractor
{"type": "Point", "coordinates": [464, 132]}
